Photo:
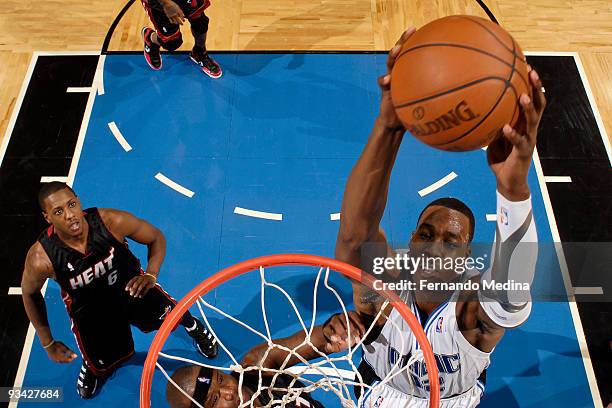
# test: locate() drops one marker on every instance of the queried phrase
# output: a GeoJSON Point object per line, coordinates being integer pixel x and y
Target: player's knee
{"type": "Point", "coordinates": [199, 25]}
{"type": "Point", "coordinates": [172, 44]}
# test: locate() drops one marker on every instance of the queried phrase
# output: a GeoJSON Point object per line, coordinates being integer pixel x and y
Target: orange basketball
{"type": "Point", "coordinates": [456, 82]}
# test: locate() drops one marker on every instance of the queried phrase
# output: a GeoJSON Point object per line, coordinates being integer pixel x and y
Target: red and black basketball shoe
{"type": "Point", "coordinates": [151, 50]}
{"type": "Point", "coordinates": [208, 65]}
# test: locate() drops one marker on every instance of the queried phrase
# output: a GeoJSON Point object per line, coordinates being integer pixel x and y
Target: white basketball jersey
{"type": "Point", "coordinates": [459, 363]}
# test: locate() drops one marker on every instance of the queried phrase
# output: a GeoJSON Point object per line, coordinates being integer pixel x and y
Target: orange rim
{"type": "Point", "coordinates": [241, 268]}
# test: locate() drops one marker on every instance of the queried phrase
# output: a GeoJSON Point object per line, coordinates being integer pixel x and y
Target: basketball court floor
{"type": "Point", "coordinates": [255, 163]}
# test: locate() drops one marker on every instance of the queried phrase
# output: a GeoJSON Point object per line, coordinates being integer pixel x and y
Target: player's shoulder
{"type": "Point", "coordinates": [113, 217]}
{"type": "Point", "coordinates": [119, 223]}
{"type": "Point", "coordinates": [37, 258]}
{"type": "Point", "coordinates": [109, 213]}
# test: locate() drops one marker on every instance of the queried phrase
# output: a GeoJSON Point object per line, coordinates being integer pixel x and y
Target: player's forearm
{"type": "Point", "coordinates": [515, 248]}
{"type": "Point", "coordinates": [156, 254]}
{"type": "Point", "coordinates": [278, 357]}
{"type": "Point", "coordinates": [516, 189]}
{"type": "Point", "coordinates": [365, 195]}
{"type": "Point", "coordinates": [37, 313]}
{"type": "Point", "coordinates": [513, 260]}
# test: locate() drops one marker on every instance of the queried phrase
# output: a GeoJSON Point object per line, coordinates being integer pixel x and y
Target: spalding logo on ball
{"type": "Point", "coordinates": [456, 82]}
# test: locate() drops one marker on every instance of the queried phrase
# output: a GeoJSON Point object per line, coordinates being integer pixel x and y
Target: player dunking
{"type": "Point", "coordinates": [167, 16]}
{"type": "Point", "coordinates": [463, 327]}
{"type": "Point", "coordinates": [103, 286]}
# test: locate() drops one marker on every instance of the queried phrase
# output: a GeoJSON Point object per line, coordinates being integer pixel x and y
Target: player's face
{"type": "Point", "coordinates": [223, 392]}
{"type": "Point", "coordinates": [63, 210]}
{"type": "Point", "coordinates": [443, 235]}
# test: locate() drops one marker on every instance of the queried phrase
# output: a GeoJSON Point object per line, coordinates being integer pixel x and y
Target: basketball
{"type": "Point", "coordinates": [456, 82]}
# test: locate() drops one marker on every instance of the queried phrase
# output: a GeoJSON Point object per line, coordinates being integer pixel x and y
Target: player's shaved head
{"type": "Point", "coordinates": [184, 377]}
{"type": "Point", "coordinates": [49, 188]}
{"type": "Point", "coordinates": [453, 204]}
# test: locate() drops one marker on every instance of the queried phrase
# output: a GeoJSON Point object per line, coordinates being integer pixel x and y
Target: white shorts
{"type": "Point", "coordinates": [384, 396]}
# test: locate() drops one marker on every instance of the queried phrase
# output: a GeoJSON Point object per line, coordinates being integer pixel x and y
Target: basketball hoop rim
{"type": "Point", "coordinates": [243, 267]}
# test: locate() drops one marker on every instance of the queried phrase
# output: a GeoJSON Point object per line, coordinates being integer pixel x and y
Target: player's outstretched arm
{"type": "Point", "coordinates": [123, 225]}
{"type": "Point", "coordinates": [330, 337]}
{"type": "Point", "coordinates": [365, 194]}
{"type": "Point", "coordinates": [515, 251]}
{"type": "Point", "coordinates": [36, 271]}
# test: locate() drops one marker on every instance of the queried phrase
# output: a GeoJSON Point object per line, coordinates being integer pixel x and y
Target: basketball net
{"type": "Point", "coordinates": [324, 374]}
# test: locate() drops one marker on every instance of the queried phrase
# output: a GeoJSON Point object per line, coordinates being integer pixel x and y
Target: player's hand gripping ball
{"type": "Point", "coordinates": [456, 82]}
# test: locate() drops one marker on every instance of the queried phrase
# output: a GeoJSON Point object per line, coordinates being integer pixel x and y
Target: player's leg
{"type": "Point", "coordinates": [148, 314]}
{"type": "Point", "coordinates": [105, 341]}
{"type": "Point", "coordinates": [199, 28]}
{"type": "Point", "coordinates": [166, 34]}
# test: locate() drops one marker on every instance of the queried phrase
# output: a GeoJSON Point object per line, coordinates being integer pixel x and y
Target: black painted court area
{"type": "Point", "coordinates": [45, 134]}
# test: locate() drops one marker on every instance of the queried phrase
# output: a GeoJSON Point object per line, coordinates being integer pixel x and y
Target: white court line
{"type": "Point", "coordinates": [100, 75]}
{"type": "Point", "coordinates": [438, 184]}
{"type": "Point", "coordinates": [65, 52]}
{"type": "Point", "coordinates": [77, 89]}
{"type": "Point", "coordinates": [258, 214]}
{"type": "Point", "coordinates": [589, 92]}
{"type": "Point", "coordinates": [550, 53]}
{"type": "Point", "coordinates": [334, 216]}
{"type": "Point", "coordinates": [557, 179]}
{"type": "Point", "coordinates": [74, 164]}
{"type": "Point", "coordinates": [49, 179]}
{"type": "Point", "coordinates": [117, 133]}
{"type": "Point", "coordinates": [174, 185]}
{"type": "Point", "coordinates": [491, 217]}
{"type": "Point", "coordinates": [27, 346]}
{"type": "Point", "coordinates": [14, 291]}
{"type": "Point", "coordinates": [588, 290]}
{"type": "Point", "coordinates": [584, 351]}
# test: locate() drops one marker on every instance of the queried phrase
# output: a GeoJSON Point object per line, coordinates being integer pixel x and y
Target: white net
{"type": "Point", "coordinates": [325, 374]}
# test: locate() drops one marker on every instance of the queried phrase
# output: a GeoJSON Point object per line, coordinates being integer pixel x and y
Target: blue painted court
{"type": "Point", "coordinates": [277, 134]}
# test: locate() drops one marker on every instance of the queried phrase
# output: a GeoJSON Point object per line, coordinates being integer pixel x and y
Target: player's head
{"type": "Point", "coordinates": [444, 230]}
{"type": "Point", "coordinates": [61, 208]}
{"type": "Point", "coordinates": [211, 388]}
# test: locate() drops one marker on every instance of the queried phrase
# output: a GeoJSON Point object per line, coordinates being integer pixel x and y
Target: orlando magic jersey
{"type": "Point", "coordinates": [460, 364]}
{"type": "Point", "coordinates": [102, 271]}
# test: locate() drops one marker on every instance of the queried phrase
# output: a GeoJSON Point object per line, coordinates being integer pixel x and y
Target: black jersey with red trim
{"type": "Point", "coordinates": [101, 273]}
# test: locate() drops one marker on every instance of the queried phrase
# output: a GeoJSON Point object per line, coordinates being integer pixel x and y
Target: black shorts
{"type": "Point", "coordinates": [103, 329]}
{"type": "Point", "coordinates": [166, 30]}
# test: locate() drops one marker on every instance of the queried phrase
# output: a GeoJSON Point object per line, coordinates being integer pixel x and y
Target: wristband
{"type": "Point", "coordinates": [153, 276]}
{"type": "Point", "coordinates": [49, 345]}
